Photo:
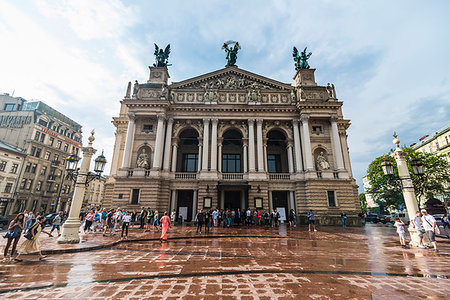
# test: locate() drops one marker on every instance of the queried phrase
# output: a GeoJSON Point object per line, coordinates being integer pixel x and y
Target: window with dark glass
{"type": "Point", "coordinates": [42, 122]}
{"type": "Point", "coordinates": [33, 150]}
{"type": "Point", "coordinates": [28, 168]}
{"type": "Point", "coordinates": [231, 163]}
{"type": "Point", "coordinates": [51, 141]}
{"type": "Point", "coordinates": [2, 165]}
{"type": "Point", "coordinates": [9, 107]}
{"type": "Point", "coordinates": [8, 187]}
{"type": "Point", "coordinates": [274, 163]}
{"type": "Point", "coordinates": [23, 184]}
{"type": "Point", "coordinates": [37, 135]}
{"type": "Point", "coordinates": [42, 137]}
{"type": "Point", "coordinates": [14, 168]}
{"type": "Point", "coordinates": [331, 198]}
{"type": "Point", "coordinates": [38, 152]}
{"type": "Point", "coordinates": [135, 196]}
{"type": "Point", "coordinates": [147, 127]}
{"type": "Point", "coordinates": [190, 162]}
{"type": "Point", "coordinates": [33, 168]}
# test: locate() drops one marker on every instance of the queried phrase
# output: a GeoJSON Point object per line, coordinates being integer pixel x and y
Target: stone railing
{"type": "Point", "coordinates": [185, 175]}
{"type": "Point", "coordinates": [232, 176]}
{"type": "Point", "coordinates": [147, 173]}
{"type": "Point", "coordinates": [279, 176]}
{"type": "Point", "coordinates": [130, 173]}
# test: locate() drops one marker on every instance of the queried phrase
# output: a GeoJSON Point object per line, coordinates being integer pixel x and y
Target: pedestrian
{"type": "Point", "coordinates": [416, 225]}
{"type": "Point", "coordinates": [207, 220]}
{"type": "Point", "coordinates": [56, 223]}
{"type": "Point", "coordinates": [266, 218]}
{"type": "Point", "coordinates": [344, 219]}
{"type": "Point", "coordinates": [430, 226]}
{"type": "Point", "coordinates": [199, 220]}
{"type": "Point", "coordinates": [89, 220]}
{"type": "Point", "coordinates": [311, 221]}
{"type": "Point", "coordinates": [165, 225]}
{"type": "Point", "coordinates": [173, 215]}
{"type": "Point", "coordinates": [249, 217]}
{"type": "Point", "coordinates": [13, 235]}
{"type": "Point", "coordinates": [142, 217]}
{"type": "Point", "coordinates": [125, 224]}
{"type": "Point", "coordinates": [291, 218]}
{"type": "Point", "coordinates": [97, 218]}
{"type": "Point", "coordinates": [401, 232]}
{"type": "Point", "coordinates": [156, 221]}
{"type": "Point", "coordinates": [362, 216]}
{"type": "Point", "coordinates": [32, 243]}
{"type": "Point", "coordinates": [229, 218]}
{"type": "Point", "coordinates": [104, 214]}
{"type": "Point", "coordinates": [276, 218]}
{"type": "Point", "coordinates": [109, 223]}
{"type": "Point", "coordinates": [29, 220]}
{"type": "Point", "coordinates": [150, 218]}
{"type": "Point", "coordinates": [215, 216]}
{"type": "Point", "coordinates": [133, 218]}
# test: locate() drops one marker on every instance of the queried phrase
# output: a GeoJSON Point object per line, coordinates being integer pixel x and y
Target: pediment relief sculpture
{"type": "Point", "coordinates": [230, 82]}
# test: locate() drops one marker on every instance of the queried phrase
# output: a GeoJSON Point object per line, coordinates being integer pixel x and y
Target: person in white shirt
{"type": "Point", "coordinates": [429, 224]}
{"type": "Point", "coordinates": [401, 232]}
{"type": "Point", "coordinates": [415, 222]}
{"type": "Point", "coordinates": [125, 224]}
{"type": "Point", "coordinates": [215, 214]}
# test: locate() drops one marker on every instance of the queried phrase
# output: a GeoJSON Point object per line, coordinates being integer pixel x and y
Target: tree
{"type": "Point", "coordinates": [388, 192]}
{"type": "Point", "coordinates": [363, 201]}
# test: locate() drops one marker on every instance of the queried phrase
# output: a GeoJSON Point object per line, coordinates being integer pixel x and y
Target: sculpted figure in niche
{"type": "Point", "coordinates": [322, 163]}
{"type": "Point", "coordinates": [143, 160]}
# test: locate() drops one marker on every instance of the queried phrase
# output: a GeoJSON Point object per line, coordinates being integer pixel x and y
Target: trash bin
{"type": "Point", "coordinates": [180, 220]}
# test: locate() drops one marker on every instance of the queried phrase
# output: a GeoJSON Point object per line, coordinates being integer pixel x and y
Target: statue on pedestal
{"type": "Point", "coordinates": [301, 60]}
{"type": "Point", "coordinates": [231, 52]}
{"type": "Point", "coordinates": [143, 160]}
{"type": "Point", "coordinates": [322, 163]}
{"type": "Point", "coordinates": [161, 57]}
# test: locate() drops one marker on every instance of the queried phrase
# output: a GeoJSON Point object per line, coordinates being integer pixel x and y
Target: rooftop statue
{"type": "Point", "coordinates": [161, 57]}
{"type": "Point", "coordinates": [301, 60]}
{"type": "Point", "coordinates": [231, 52]}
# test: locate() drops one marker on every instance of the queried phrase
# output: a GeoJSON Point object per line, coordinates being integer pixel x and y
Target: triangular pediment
{"type": "Point", "coordinates": [231, 78]}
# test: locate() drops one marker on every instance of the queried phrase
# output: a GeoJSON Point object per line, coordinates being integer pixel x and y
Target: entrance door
{"type": "Point", "coordinates": [185, 200]}
{"type": "Point", "coordinates": [232, 199]}
{"type": "Point", "coordinates": [280, 203]}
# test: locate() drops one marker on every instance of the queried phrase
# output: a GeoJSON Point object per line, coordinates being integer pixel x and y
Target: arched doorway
{"type": "Point", "coordinates": [232, 152]}
{"type": "Point", "coordinates": [187, 157]}
{"type": "Point", "coordinates": [277, 160]}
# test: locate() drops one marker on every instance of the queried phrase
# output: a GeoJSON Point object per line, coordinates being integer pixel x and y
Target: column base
{"type": "Point", "coordinates": [69, 233]}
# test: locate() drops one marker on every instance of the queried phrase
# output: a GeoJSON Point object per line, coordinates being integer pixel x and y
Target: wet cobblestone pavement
{"type": "Point", "coordinates": [255, 263]}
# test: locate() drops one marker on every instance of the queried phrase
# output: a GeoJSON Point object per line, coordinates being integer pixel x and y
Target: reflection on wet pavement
{"type": "Point", "coordinates": [256, 262]}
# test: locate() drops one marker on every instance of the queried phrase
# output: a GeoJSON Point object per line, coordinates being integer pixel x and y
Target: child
{"type": "Point", "coordinates": [401, 232]}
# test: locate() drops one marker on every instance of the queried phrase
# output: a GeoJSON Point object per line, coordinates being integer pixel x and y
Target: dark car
{"type": "Point", "coordinates": [3, 222]}
{"type": "Point", "coordinates": [376, 219]}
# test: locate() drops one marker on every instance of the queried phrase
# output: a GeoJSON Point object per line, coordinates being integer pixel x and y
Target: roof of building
{"type": "Point", "coordinates": [11, 148]}
{"type": "Point", "coordinates": [432, 137]}
{"type": "Point", "coordinates": [44, 108]}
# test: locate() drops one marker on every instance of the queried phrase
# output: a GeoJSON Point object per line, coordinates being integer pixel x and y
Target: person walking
{"type": "Point", "coordinates": [142, 217]}
{"type": "Point", "coordinates": [401, 232]}
{"type": "Point", "coordinates": [199, 220]}
{"type": "Point", "coordinates": [291, 218]}
{"type": "Point", "coordinates": [104, 214]}
{"type": "Point", "coordinates": [344, 219]}
{"type": "Point", "coordinates": [88, 222]}
{"type": "Point", "coordinates": [29, 220]}
{"type": "Point", "coordinates": [165, 225]}
{"type": "Point", "coordinates": [429, 224]}
{"type": "Point", "coordinates": [207, 220]}
{"type": "Point", "coordinates": [311, 221]}
{"type": "Point", "coordinates": [173, 215]}
{"type": "Point", "coordinates": [150, 218]}
{"type": "Point", "coordinates": [32, 245]}
{"type": "Point", "coordinates": [215, 216]}
{"type": "Point", "coordinates": [56, 223]}
{"type": "Point", "coordinates": [362, 216]}
{"type": "Point", "coordinates": [249, 217]}
{"type": "Point", "coordinates": [13, 235]}
{"type": "Point", "coordinates": [109, 223]}
{"type": "Point", "coordinates": [125, 224]}
{"type": "Point", "coordinates": [416, 225]}
{"type": "Point", "coordinates": [156, 221]}
{"type": "Point", "coordinates": [133, 218]}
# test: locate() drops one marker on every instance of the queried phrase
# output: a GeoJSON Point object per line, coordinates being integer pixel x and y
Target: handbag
{"type": "Point", "coordinates": [29, 235]}
{"type": "Point", "coordinates": [436, 229]}
{"type": "Point", "coordinates": [11, 235]}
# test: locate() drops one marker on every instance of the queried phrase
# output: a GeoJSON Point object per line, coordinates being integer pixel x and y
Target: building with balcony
{"type": "Point", "coordinates": [94, 193]}
{"type": "Point", "coordinates": [47, 137]}
{"type": "Point", "coordinates": [232, 139]}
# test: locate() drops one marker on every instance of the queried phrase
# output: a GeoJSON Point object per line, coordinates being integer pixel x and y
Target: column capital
{"type": "Point", "coordinates": [205, 121]}
{"type": "Point", "coordinates": [290, 143]}
{"type": "Point", "coordinates": [251, 121]}
{"type": "Point", "coordinates": [170, 120]}
{"type": "Point", "coordinates": [295, 121]}
{"type": "Point", "coordinates": [214, 121]}
{"type": "Point", "coordinates": [175, 141]}
{"type": "Point", "coordinates": [161, 117]}
{"type": "Point", "coordinates": [220, 141]}
{"type": "Point", "coordinates": [334, 118]}
{"type": "Point", "coordinates": [132, 116]}
{"type": "Point", "coordinates": [304, 118]}
{"type": "Point", "coordinates": [259, 122]}
{"type": "Point", "coordinates": [244, 142]}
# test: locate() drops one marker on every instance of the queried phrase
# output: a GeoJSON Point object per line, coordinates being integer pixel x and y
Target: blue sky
{"type": "Point", "coordinates": [389, 60]}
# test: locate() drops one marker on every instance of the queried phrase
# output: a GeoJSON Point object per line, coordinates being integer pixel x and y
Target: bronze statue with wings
{"type": "Point", "coordinates": [301, 60]}
{"type": "Point", "coordinates": [161, 57]}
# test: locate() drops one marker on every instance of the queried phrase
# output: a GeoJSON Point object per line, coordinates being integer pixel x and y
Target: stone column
{"type": "Point", "coordinates": [242, 200]}
{"type": "Point", "coordinates": [194, 204]}
{"type": "Point", "coordinates": [222, 199]}
{"type": "Point", "coordinates": [251, 145]}
{"type": "Point", "coordinates": [173, 204]}
{"type": "Point", "coordinates": [158, 143]}
{"type": "Point", "coordinates": [307, 145]}
{"type": "Point", "coordinates": [115, 160]}
{"type": "Point", "coordinates": [174, 156]}
{"type": "Point", "coordinates": [129, 141]}
{"type": "Point", "coordinates": [298, 155]}
{"type": "Point", "coordinates": [219, 156]}
{"type": "Point", "coordinates": [200, 153]}
{"type": "Point", "coordinates": [166, 164]}
{"type": "Point", "coordinates": [69, 234]}
{"type": "Point", "coordinates": [292, 200]}
{"type": "Point", "coordinates": [265, 155]}
{"type": "Point", "coordinates": [244, 152]}
{"type": "Point", "coordinates": [337, 149]}
{"type": "Point", "coordinates": [205, 144]}
{"type": "Point", "coordinates": [259, 146]}
{"type": "Point", "coordinates": [270, 201]}
{"type": "Point", "coordinates": [214, 144]}
{"type": "Point", "coordinates": [290, 157]}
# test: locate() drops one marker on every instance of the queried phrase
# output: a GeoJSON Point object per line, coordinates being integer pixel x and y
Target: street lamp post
{"type": "Point", "coordinates": [82, 177]}
{"type": "Point", "coordinates": [406, 184]}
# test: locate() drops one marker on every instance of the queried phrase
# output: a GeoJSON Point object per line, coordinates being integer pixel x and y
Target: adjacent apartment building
{"type": "Point", "coordinates": [94, 193]}
{"type": "Point", "coordinates": [47, 137]}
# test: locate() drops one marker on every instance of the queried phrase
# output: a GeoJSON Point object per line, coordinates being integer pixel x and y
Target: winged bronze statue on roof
{"type": "Point", "coordinates": [301, 60]}
{"type": "Point", "coordinates": [161, 57]}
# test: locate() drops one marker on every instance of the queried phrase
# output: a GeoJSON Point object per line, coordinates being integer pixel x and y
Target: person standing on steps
{"type": "Point", "coordinates": [207, 216]}
{"type": "Point", "coordinates": [199, 220]}
{"type": "Point", "coordinates": [165, 225]}
{"type": "Point", "coordinates": [344, 219]}
{"type": "Point", "coordinates": [126, 220]}
{"type": "Point", "coordinates": [311, 220]}
{"type": "Point", "coordinates": [142, 217]}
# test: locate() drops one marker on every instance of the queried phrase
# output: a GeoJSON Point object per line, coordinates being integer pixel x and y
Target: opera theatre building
{"type": "Point", "coordinates": [233, 139]}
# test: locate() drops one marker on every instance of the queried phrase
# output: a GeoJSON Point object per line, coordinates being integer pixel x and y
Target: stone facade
{"type": "Point", "coordinates": [94, 193]}
{"type": "Point", "coordinates": [232, 139]}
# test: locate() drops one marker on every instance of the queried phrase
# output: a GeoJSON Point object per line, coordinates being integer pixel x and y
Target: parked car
{"type": "Point", "coordinates": [376, 219]}
{"type": "Point", "coordinates": [4, 222]}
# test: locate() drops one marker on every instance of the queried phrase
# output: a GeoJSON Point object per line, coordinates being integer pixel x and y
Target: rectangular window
{"type": "Point", "coordinates": [2, 165]}
{"type": "Point", "coordinates": [9, 107]}
{"type": "Point", "coordinates": [51, 140]}
{"type": "Point", "coordinates": [274, 163]}
{"type": "Point", "coordinates": [33, 150]}
{"type": "Point", "coordinates": [56, 187]}
{"type": "Point", "coordinates": [49, 186]}
{"type": "Point", "coordinates": [42, 137]}
{"type": "Point", "coordinates": [28, 168]}
{"type": "Point", "coordinates": [29, 184]}
{"type": "Point", "coordinates": [33, 168]}
{"type": "Point", "coordinates": [317, 129]}
{"type": "Point", "coordinates": [8, 187]}
{"type": "Point", "coordinates": [39, 186]}
{"type": "Point", "coordinates": [38, 152]}
{"type": "Point", "coordinates": [148, 127]}
{"type": "Point", "coordinates": [56, 157]}
{"type": "Point", "coordinates": [231, 163]}
{"type": "Point", "coordinates": [135, 196]}
{"type": "Point", "coordinates": [37, 135]}
{"type": "Point", "coordinates": [47, 155]}
{"type": "Point", "coordinates": [14, 168]}
{"type": "Point", "coordinates": [190, 162]}
{"type": "Point", "coordinates": [23, 184]}
{"type": "Point", "coordinates": [58, 145]}
{"type": "Point", "coordinates": [43, 170]}
{"type": "Point", "coordinates": [120, 196]}
{"type": "Point", "coordinates": [331, 198]}
{"type": "Point", "coordinates": [42, 122]}
{"type": "Point", "coordinates": [66, 147]}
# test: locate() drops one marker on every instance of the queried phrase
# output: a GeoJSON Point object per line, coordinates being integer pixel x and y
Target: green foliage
{"type": "Point", "coordinates": [388, 193]}
{"type": "Point", "coordinates": [363, 201]}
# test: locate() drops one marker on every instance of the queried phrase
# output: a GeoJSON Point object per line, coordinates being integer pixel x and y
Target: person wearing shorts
{"type": "Point", "coordinates": [401, 232]}
{"type": "Point", "coordinates": [429, 224]}
{"type": "Point", "coordinates": [418, 227]}
{"type": "Point", "coordinates": [56, 224]}
{"type": "Point", "coordinates": [311, 221]}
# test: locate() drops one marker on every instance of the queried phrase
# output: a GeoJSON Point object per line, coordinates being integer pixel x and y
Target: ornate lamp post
{"type": "Point", "coordinates": [406, 183]}
{"type": "Point", "coordinates": [82, 177]}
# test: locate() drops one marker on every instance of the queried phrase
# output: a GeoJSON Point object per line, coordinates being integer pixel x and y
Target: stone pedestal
{"type": "Point", "coordinates": [158, 75]}
{"type": "Point", "coordinates": [305, 77]}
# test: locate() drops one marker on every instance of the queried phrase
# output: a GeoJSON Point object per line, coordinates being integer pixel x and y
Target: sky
{"type": "Point", "coordinates": [389, 60]}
